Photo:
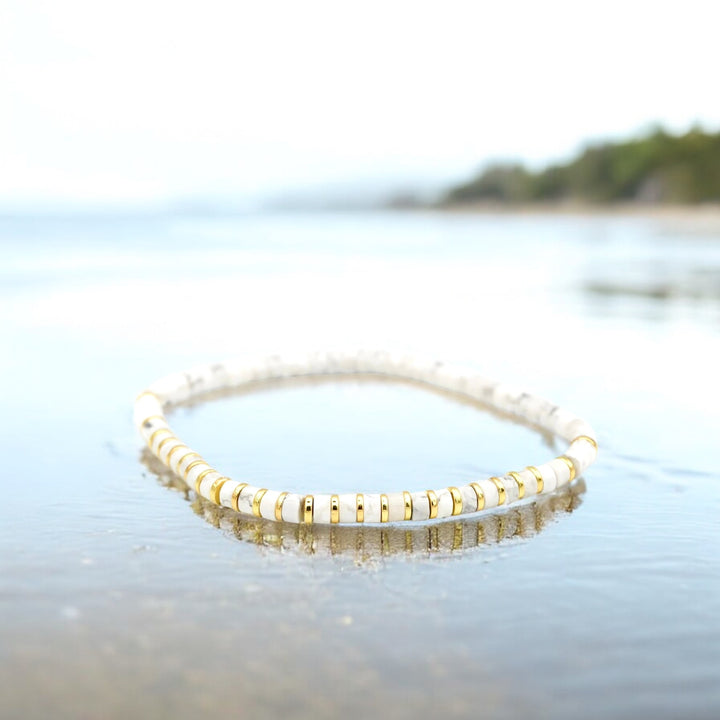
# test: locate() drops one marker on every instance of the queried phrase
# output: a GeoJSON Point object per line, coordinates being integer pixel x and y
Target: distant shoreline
{"type": "Point", "coordinates": [702, 216]}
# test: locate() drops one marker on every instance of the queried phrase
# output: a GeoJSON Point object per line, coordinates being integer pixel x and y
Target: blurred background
{"type": "Point", "coordinates": [530, 189]}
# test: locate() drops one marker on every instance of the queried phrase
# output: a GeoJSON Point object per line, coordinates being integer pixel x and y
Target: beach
{"type": "Point", "coordinates": [123, 594]}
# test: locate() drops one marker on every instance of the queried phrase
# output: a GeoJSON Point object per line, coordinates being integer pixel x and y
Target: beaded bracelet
{"type": "Point", "coordinates": [362, 507]}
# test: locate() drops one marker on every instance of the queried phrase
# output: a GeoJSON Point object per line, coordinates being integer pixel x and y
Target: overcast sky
{"type": "Point", "coordinates": [148, 99]}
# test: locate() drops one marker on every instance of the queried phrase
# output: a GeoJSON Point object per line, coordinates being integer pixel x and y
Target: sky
{"type": "Point", "coordinates": [149, 100]}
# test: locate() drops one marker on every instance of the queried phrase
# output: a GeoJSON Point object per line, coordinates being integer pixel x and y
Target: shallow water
{"type": "Point", "coordinates": [122, 595]}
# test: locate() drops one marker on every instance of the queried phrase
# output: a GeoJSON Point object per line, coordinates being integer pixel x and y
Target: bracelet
{"type": "Point", "coordinates": [368, 541]}
{"type": "Point", "coordinates": [243, 497]}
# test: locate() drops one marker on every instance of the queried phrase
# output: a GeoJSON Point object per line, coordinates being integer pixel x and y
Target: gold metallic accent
{"type": "Point", "coordinates": [201, 477]}
{"type": "Point", "coordinates": [215, 489]}
{"type": "Point", "coordinates": [257, 499]}
{"type": "Point", "coordinates": [433, 503]}
{"type": "Point", "coordinates": [151, 439]}
{"type": "Point", "coordinates": [279, 504]}
{"type": "Point", "coordinates": [236, 496]}
{"type": "Point", "coordinates": [162, 419]}
{"type": "Point", "coordinates": [457, 536]}
{"type": "Point", "coordinates": [570, 465]}
{"type": "Point", "coordinates": [538, 477]}
{"type": "Point", "coordinates": [192, 465]}
{"type": "Point", "coordinates": [587, 439]}
{"type": "Point", "coordinates": [146, 392]}
{"type": "Point", "coordinates": [334, 509]}
{"type": "Point", "coordinates": [457, 500]}
{"type": "Point", "coordinates": [520, 483]}
{"type": "Point", "coordinates": [384, 508]}
{"type": "Point", "coordinates": [191, 453]}
{"type": "Point", "coordinates": [308, 509]}
{"type": "Point", "coordinates": [360, 505]}
{"type": "Point", "coordinates": [177, 447]}
{"type": "Point", "coordinates": [480, 496]}
{"type": "Point", "coordinates": [162, 442]}
{"type": "Point", "coordinates": [407, 500]}
{"type": "Point", "coordinates": [497, 482]}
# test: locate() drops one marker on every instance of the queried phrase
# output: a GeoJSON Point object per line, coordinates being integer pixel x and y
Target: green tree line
{"type": "Point", "coordinates": [659, 167]}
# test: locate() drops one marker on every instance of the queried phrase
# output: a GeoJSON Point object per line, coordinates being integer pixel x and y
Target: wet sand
{"type": "Point", "coordinates": [122, 594]}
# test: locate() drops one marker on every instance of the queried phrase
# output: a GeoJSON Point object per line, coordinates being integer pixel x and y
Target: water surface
{"type": "Point", "coordinates": [121, 595]}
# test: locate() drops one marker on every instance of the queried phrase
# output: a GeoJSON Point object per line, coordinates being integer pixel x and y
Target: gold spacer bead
{"type": "Point", "coordinates": [433, 503]}
{"type": "Point", "coordinates": [480, 496]}
{"type": "Point", "coordinates": [162, 442]}
{"type": "Point", "coordinates": [151, 439]}
{"type": "Point", "coordinates": [360, 508]}
{"type": "Point", "coordinates": [570, 465]}
{"type": "Point", "coordinates": [407, 501]}
{"type": "Point", "coordinates": [457, 500]}
{"type": "Point", "coordinates": [257, 499]}
{"type": "Point", "coordinates": [334, 509]}
{"type": "Point", "coordinates": [279, 505]}
{"type": "Point", "coordinates": [191, 453]}
{"type": "Point", "coordinates": [236, 496]}
{"type": "Point", "coordinates": [384, 508]}
{"type": "Point", "coordinates": [520, 483]}
{"type": "Point", "coordinates": [201, 477]}
{"type": "Point", "coordinates": [587, 438]}
{"type": "Point", "coordinates": [538, 477]}
{"type": "Point", "coordinates": [308, 509]}
{"type": "Point", "coordinates": [146, 392]}
{"type": "Point", "coordinates": [215, 489]}
{"type": "Point", "coordinates": [497, 482]}
{"type": "Point", "coordinates": [177, 447]}
{"type": "Point", "coordinates": [192, 465]}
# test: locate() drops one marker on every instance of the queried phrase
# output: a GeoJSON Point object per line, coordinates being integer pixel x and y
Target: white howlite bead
{"type": "Point", "coordinates": [469, 499]}
{"type": "Point", "coordinates": [238, 373]}
{"type": "Point", "coordinates": [544, 413]}
{"type": "Point", "coordinates": [245, 499]}
{"type": "Point", "coordinates": [348, 507]}
{"type": "Point", "coordinates": [172, 388]}
{"type": "Point", "coordinates": [421, 506]}
{"type": "Point", "coordinates": [167, 448]}
{"type": "Point", "coordinates": [146, 406]}
{"type": "Point", "coordinates": [291, 508]}
{"type": "Point", "coordinates": [583, 454]}
{"type": "Point", "coordinates": [562, 421]}
{"type": "Point", "coordinates": [158, 439]}
{"type": "Point", "coordinates": [194, 472]}
{"type": "Point", "coordinates": [530, 482]}
{"type": "Point", "coordinates": [181, 467]}
{"type": "Point", "coordinates": [549, 478]}
{"type": "Point", "coordinates": [207, 482]}
{"type": "Point", "coordinates": [445, 503]}
{"type": "Point", "coordinates": [372, 508]}
{"type": "Point", "coordinates": [562, 471]}
{"type": "Point", "coordinates": [226, 492]}
{"type": "Point", "coordinates": [206, 378]}
{"type": "Point", "coordinates": [197, 379]}
{"type": "Point", "coordinates": [267, 504]}
{"type": "Point", "coordinates": [505, 397]}
{"type": "Point", "coordinates": [396, 507]}
{"type": "Point", "coordinates": [321, 508]}
{"type": "Point", "coordinates": [490, 492]}
{"type": "Point", "coordinates": [512, 491]}
{"type": "Point", "coordinates": [480, 388]}
{"type": "Point", "coordinates": [150, 426]}
{"type": "Point", "coordinates": [576, 428]}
